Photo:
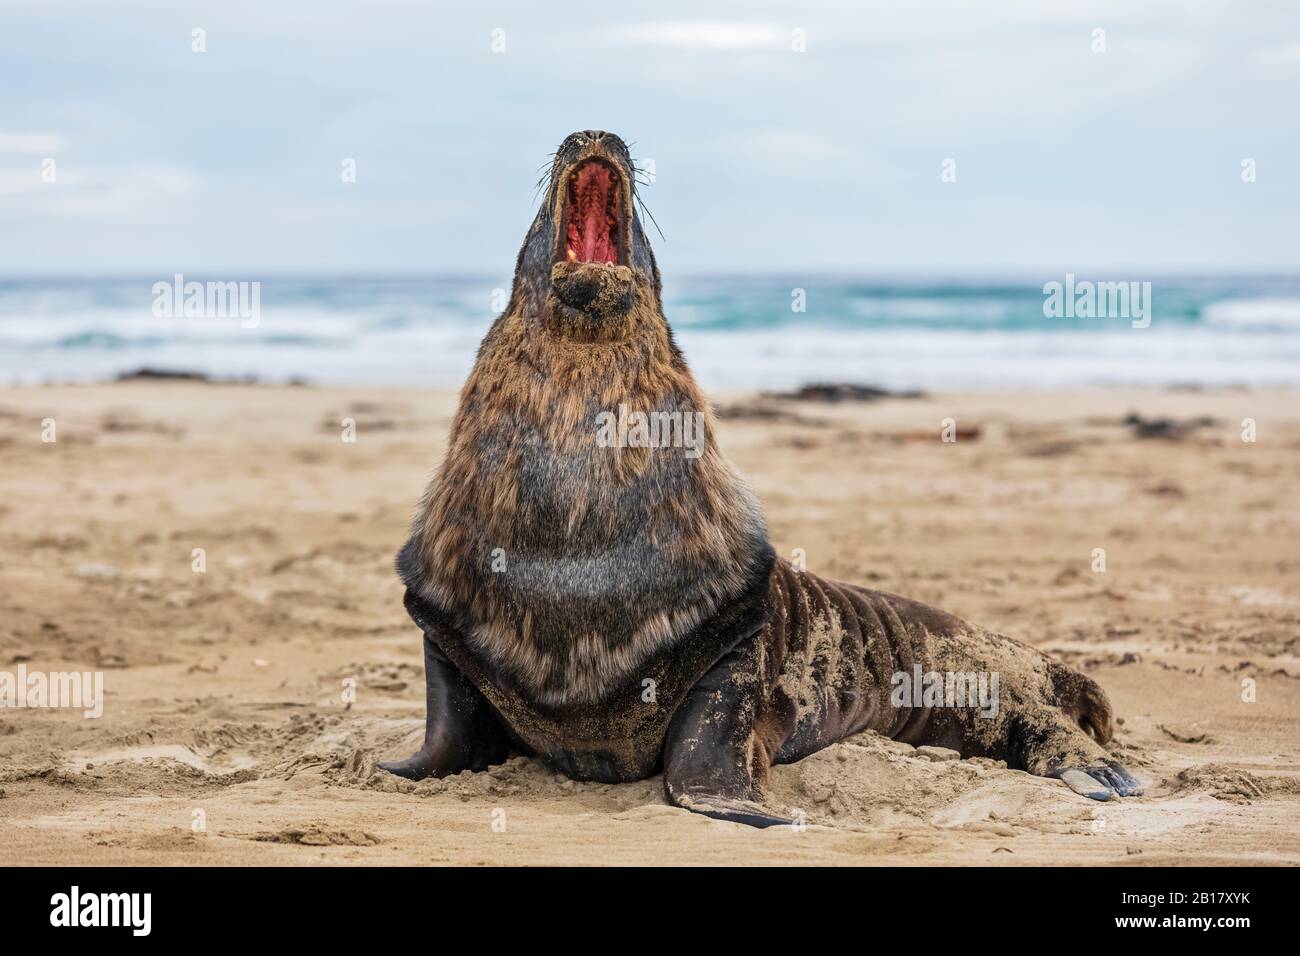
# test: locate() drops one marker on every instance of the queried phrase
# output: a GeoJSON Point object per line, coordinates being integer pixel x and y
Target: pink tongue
{"type": "Point", "coordinates": [593, 228]}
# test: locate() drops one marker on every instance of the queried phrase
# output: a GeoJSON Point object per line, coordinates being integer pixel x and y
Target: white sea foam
{"type": "Point", "coordinates": [1255, 312]}
{"type": "Point", "coordinates": [949, 360]}
{"type": "Point", "coordinates": [736, 333]}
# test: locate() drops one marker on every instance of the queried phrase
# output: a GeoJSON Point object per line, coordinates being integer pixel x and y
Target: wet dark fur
{"type": "Point", "coordinates": [618, 610]}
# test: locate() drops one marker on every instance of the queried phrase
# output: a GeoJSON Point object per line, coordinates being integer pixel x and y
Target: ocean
{"type": "Point", "coordinates": [737, 332]}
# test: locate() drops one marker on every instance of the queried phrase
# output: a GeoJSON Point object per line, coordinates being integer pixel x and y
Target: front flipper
{"type": "Point", "coordinates": [732, 811]}
{"type": "Point", "coordinates": [1100, 783]}
{"type": "Point", "coordinates": [461, 731]}
{"type": "Point", "coordinates": [712, 761]}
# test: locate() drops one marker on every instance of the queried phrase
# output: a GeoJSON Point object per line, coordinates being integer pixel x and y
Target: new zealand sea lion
{"type": "Point", "coordinates": [614, 606]}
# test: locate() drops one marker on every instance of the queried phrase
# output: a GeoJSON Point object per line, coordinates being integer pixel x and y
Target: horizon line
{"type": "Point", "coordinates": [880, 274]}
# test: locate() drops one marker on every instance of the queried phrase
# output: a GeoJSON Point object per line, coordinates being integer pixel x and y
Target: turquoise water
{"type": "Point", "coordinates": [736, 332]}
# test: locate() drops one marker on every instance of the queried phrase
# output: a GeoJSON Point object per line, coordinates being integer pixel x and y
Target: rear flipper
{"type": "Point", "coordinates": [461, 731]}
{"type": "Point", "coordinates": [1101, 783]}
{"type": "Point", "coordinates": [1084, 722]}
{"type": "Point", "coordinates": [713, 761]}
{"type": "Point", "coordinates": [1050, 744]}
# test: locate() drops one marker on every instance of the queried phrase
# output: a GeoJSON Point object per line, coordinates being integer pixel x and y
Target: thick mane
{"type": "Point", "coordinates": [563, 560]}
{"type": "Point", "coordinates": [567, 562]}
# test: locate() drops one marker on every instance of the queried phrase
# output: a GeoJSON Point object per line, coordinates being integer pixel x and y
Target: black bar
{"type": "Point", "coordinates": [334, 905]}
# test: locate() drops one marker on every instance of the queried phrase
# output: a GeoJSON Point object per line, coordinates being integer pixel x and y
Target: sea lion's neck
{"type": "Point", "coordinates": [570, 549]}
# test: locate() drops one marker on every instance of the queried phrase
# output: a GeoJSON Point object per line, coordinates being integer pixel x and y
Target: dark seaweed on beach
{"type": "Point", "coordinates": [841, 392]}
{"type": "Point", "coordinates": [1167, 428]}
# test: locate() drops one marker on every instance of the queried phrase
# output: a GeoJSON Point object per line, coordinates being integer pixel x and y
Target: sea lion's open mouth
{"type": "Point", "coordinates": [595, 216]}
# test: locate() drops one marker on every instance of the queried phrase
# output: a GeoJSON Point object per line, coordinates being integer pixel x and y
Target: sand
{"type": "Point", "coordinates": [230, 735]}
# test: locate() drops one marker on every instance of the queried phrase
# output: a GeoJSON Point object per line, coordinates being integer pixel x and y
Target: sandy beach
{"type": "Point", "coordinates": [248, 701]}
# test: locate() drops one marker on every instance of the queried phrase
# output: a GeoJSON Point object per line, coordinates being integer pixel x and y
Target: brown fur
{"type": "Point", "coordinates": [540, 381]}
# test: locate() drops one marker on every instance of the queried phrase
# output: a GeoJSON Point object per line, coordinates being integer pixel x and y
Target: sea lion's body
{"type": "Point", "coordinates": [617, 610]}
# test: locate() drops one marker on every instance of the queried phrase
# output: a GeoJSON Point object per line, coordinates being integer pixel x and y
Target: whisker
{"type": "Point", "coordinates": [648, 213]}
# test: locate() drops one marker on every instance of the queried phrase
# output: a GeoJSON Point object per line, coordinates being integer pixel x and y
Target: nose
{"type": "Point", "coordinates": [594, 135]}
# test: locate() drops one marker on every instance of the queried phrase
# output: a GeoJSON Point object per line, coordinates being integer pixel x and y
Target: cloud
{"type": "Point", "coordinates": [20, 180]}
{"type": "Point", "coordinates": [703, 35]}
{"type": "Point", "coordinates": [39, 142]}
{"type": "Point", "coordinates": [1280, 54]}
{"type": "Point", "coordinates": [98, 192]}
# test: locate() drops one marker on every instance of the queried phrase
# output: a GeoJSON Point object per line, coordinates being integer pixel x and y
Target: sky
{"type": "Point", "coordinates": [783, 136]}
